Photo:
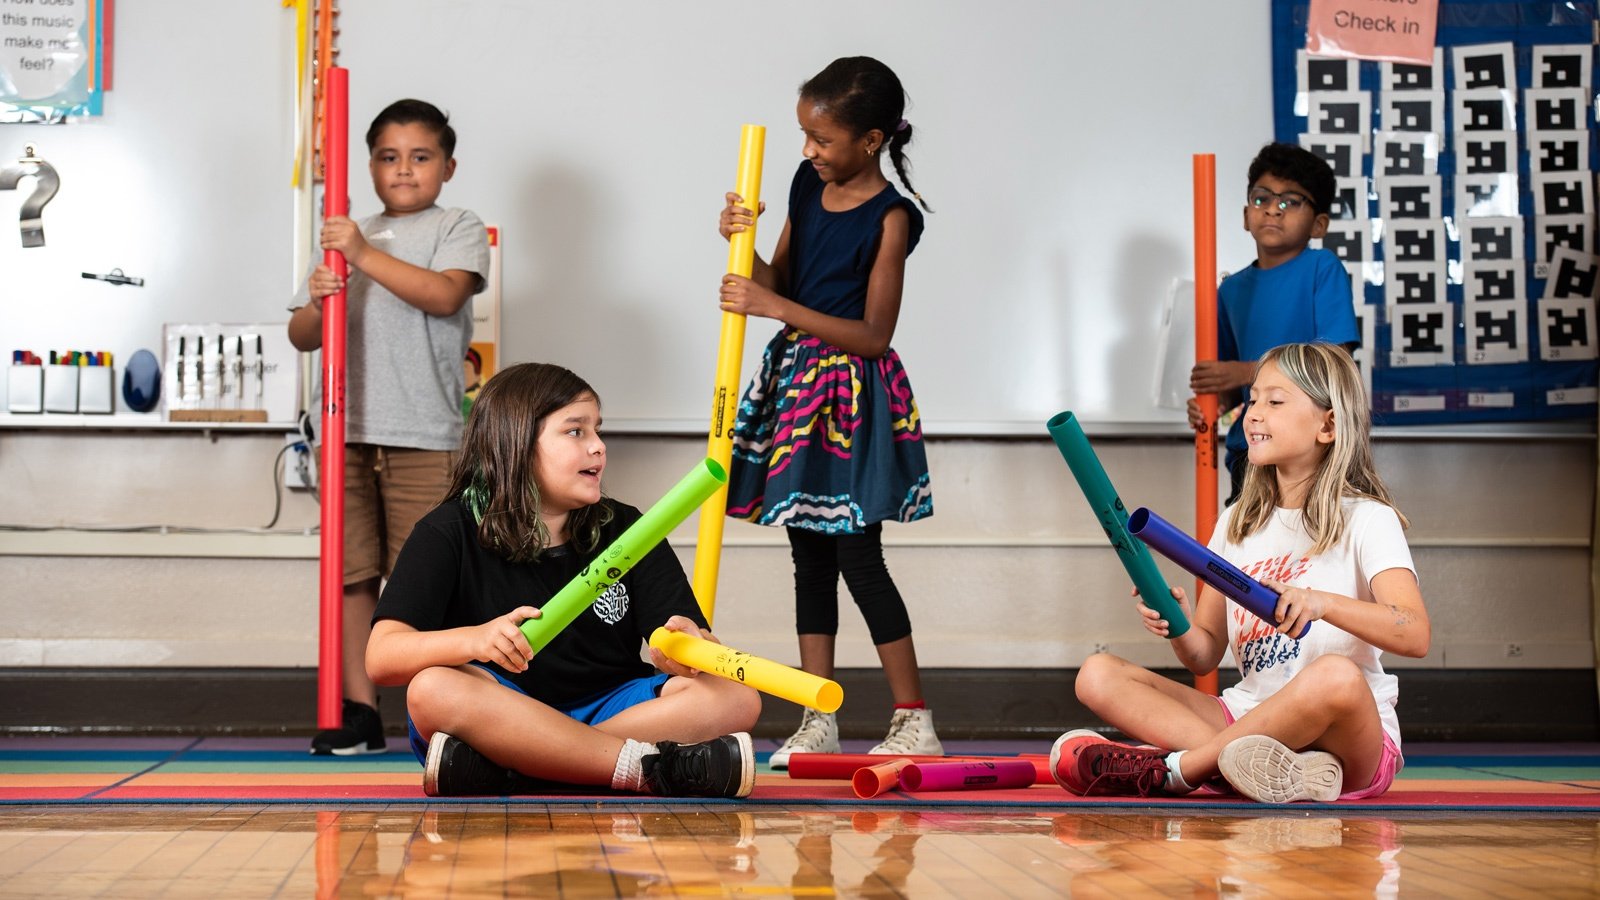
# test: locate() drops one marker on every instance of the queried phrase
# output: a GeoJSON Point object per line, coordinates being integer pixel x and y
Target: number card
{"type": "Point", "coordinates": [1412, 111]}
{"type": "Point", "coordinates": [1415, 240]}
{"type": "Point", "coordinates": [1406, 153]}
{"type": "Point", "coordinates": [1484, 111]}
{"type": "Point", "coordinates": [1491, 238]}
{"type": "Point", "coordinates": [1342, 152]}
{"type": "Point", "coordinates": [1556, 109]}
{"type": "Point", "coordinates": [1573, 274]}
{"type": "Point", "coordinates": [1487, 195]}
{"type": "Point", "coordinates": [1316, 73]}
{"type": "Point", "coordinates": [1492, 279]}
{"type": "Point", "coordinates": [1421, 335]}
{"type": "Point", "coordinates": [1558, 151]}
{"type": "Point", "coordinates": [1561, 65]}
{"type": "Point", "coordinates": [1409, 197]}
{"type": "Point", "coordinates": [1406, 77]}
{"type": "Point", "coordinates": [1482, 66]}
{"type": "Point", "coordinates": [1485, 152]}
{"type": "Point", "coordinates": [1349, 198]}
{"type": "Point", "coordinates": [1553, 233]}
{"type": "Point", "coordinates": [1566, 328]}
{"type": "Point", "coordinates": [1346, 112]}
{"type": "Point", "coordinates": [1496, 332]}
{"type": "Point", "coordinates": [1407, 283]}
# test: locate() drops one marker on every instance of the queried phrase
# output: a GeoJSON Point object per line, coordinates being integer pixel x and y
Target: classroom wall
{"type": "Point", "coordinates": [1010, 572]}
{"type": "Point", "coordinates": [1053, 139]}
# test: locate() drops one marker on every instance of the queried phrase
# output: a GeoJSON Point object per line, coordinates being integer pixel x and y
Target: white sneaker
{"type": "Point", "coordinates": [1267, 771]}
{"type": "Point", "coordinates": [818, 733]}
{"type": "Point", "coordinates": [911, 734]}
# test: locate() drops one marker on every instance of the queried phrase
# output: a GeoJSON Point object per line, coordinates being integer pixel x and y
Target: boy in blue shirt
{"type": "Point", "coordinates": [1291, 294]}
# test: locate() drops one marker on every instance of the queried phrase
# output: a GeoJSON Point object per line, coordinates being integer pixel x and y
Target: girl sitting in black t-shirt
{"type": "Point", "coordinates": [523, 516]}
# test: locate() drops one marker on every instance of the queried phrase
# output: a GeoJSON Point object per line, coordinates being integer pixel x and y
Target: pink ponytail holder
{"type": "Point", "coordinates": [902, 126]}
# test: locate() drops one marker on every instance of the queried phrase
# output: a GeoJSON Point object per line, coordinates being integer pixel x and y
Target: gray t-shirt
{"type": "Point", "coordinates": [403, 377]}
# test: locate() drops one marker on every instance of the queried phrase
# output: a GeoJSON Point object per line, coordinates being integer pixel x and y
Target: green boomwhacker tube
{"type": "Point", "coordinates": [629, 547]}
{"type": "Point", "coordinates": [1113, 516]}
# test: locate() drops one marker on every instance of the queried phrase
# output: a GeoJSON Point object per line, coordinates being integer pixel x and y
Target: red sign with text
{"type": "Point", "coordinates": [1400, 31]}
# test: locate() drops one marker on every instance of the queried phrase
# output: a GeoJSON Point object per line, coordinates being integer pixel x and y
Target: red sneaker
{"type": "Point", "coordinates": [1086, 763]}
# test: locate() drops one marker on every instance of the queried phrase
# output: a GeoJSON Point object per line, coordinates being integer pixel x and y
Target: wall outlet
{"type": "Point", "coordinates": [299, 470]}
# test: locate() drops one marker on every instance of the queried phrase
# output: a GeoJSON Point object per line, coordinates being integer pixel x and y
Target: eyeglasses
{"type": "Point", "coordinates": [1288, 201]}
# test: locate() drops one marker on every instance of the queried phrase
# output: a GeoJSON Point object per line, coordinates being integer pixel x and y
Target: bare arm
{"type": "Point", "coordinates": [1201, 647]}
{"type": "Point", "coordinates": [305, 326]}
{"type": "Point", "coordinates": [1396, 621]}
{"type": "Point", "coordinates": [773, 276]}
{"type": "Point", "coordinates": [396, 652]}
{"type": "Point", "coordinates": [868, 336]}
{"type": "Point", "coordinates": [435, 293]}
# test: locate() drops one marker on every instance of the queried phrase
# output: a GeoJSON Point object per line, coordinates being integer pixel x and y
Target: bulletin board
{"type": "Point", "coordinates": [1465, 211]}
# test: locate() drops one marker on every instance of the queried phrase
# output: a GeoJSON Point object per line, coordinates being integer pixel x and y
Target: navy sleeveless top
{"type": "Point", "coordinates": [831, 253]}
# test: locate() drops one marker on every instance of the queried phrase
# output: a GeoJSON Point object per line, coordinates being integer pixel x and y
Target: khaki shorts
{"type": "Point", "coordinates": [386, 490]}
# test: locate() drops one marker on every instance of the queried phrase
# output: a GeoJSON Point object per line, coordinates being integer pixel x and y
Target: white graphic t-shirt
{"type": "Point", "coordinates": [1373, 542]}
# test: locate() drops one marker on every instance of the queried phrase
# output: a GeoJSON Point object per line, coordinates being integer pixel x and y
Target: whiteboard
{"type": "Point", "coordinates": [1053, 141]}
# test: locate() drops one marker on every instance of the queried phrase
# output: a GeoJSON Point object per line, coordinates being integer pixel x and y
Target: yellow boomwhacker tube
{"type": "Point", "coordinates": [764, 675]}
{"type": "Point", "coordinates": [725, 395]}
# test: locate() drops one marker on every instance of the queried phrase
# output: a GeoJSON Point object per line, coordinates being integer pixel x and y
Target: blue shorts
{"type": "Point", "coordinates": [591, 710]}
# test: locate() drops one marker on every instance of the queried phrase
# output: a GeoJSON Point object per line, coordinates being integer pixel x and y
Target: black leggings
{"type": "Point", "coordinates": [819, 560]}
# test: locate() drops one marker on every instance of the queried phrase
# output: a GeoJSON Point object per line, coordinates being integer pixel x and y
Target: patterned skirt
{"type": "Point", "coordinates": [828, 441]}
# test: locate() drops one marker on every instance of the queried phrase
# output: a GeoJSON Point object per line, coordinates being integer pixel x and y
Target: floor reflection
{"type": "Point", "coordinates": [497, 850]}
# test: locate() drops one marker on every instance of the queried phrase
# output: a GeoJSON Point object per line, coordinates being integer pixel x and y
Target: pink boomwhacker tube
{"type": "Point", "coordinates": [970, 775]}
{"type": "Point", "coordinates": [838, 766]}
{"type": "Point", "coordinates": [335, 202]}
{"type": "Point", "coordinates": [874, 780]}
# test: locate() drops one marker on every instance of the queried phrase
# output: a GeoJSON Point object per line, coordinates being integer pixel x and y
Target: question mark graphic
{"type": "Point", "coordinates": [46, 183]}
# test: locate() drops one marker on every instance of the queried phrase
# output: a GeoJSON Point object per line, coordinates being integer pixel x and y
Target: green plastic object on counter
{"type": "Point", "coordinates": [1113, 517]}
{"type": "Point", "coordinates": [631, 546]}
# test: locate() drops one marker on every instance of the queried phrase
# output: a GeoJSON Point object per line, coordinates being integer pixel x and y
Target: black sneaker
{"type": "Point", "coordinates": [454, 769]}
{"type": "Point", "coordinates": [724, 767]}
{"type": "Point", "coordinates": [362, 732]}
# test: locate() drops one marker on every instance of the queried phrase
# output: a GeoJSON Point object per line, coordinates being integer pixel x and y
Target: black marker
{"type": "Point", "coordinates": [261, 370]}
{"type": "Point", "coordinates": [238, 365]}
{"type": "Point", "coordinates": [180, 367]}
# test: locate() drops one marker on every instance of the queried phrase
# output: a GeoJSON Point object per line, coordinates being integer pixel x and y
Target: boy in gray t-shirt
{"type": "Point", "coordinates": [413, 271]}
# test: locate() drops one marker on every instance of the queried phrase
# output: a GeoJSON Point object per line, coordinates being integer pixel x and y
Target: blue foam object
{"type": "Point", "coordinates": [141, 381]}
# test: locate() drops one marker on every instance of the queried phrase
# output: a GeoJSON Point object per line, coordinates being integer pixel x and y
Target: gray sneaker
{"type": "Point", "coordinates": [1267, 771]}
{"type": "Point", "coordinates": [818, 733]}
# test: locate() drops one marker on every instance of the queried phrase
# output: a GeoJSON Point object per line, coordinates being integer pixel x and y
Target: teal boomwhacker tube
{"type": "Point", "coordinates": [629, 547]}
{"type": "Point", "coordinates": [1113, 517]}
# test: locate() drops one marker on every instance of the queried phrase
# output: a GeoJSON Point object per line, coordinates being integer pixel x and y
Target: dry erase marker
{"type": "Point", "coordinates": [180, 368]}
{"type": "Point", "coordinates": [261, 370]}
{"type": "Point", "coordinates": [238, 365]}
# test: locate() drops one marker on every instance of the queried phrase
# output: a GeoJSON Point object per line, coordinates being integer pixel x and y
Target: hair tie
{"type": "Point", "coordinates": [902, 126]}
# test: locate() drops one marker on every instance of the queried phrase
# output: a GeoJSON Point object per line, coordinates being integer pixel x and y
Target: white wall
{"type": "Point", "coordinates": [1053, 139]}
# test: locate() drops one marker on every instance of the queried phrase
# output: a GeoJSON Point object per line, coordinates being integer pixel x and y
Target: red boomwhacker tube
{"type": "Point", "coordinates": [335, 202]}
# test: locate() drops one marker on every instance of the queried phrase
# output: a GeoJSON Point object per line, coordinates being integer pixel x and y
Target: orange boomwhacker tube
{"type": "Point", "coordinates": [1205, 350]}
{"type": "Point", "coordinates": [874, 780]}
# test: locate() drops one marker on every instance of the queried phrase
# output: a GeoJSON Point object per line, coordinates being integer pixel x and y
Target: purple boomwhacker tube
{"type": "Point", "coordinates": [1171, 542]}
{"type": "Point", "coordinates": [968, 776]}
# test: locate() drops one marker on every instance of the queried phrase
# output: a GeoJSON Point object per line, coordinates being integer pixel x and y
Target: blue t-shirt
{"type": "Point", "coordinates": [831, 253]}
{"type": "Point", "coordinates": [1303, 300]}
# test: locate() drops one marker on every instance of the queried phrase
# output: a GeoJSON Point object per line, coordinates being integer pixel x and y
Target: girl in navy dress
{"type": "Point", "coordinates": [828, 442]}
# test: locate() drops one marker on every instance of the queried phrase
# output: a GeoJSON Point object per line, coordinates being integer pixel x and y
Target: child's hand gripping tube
{"type": "Point", "coordinates": [1113, 517]}
{"type": "Point", "coordinates": [1198, 560]}
{"type": "Point", "coordinates": [764, 675]}
{"type": "Point", "coordinates": [631, 546]}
